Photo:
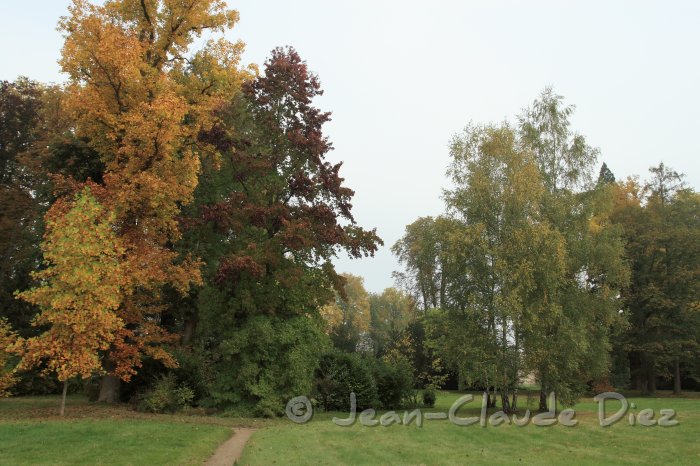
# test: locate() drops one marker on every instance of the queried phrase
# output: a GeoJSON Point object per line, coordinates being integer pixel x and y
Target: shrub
{"type": "Point", "coordinates": [602, 385]}
{"type": "Point", "coordinates": [429, 398]}
{"type": "Point", "coordinates": [194, 371]}
{"type": "Point", "coordinates": [338, 375]}
{"type": "Point", "coordinates": [394, 383]}
{"type": "Point", "coordinates": [264, 362]}
{"type": "Point", "coordinates": [166, 396]}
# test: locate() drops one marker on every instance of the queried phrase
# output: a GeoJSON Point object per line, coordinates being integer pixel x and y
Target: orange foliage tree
{"type": "Point", "coordinates": [79, 291]}
{"type": "Point", "coordinates": [141, 99]}
{"type": "Point", "coordinates": [7, 342]}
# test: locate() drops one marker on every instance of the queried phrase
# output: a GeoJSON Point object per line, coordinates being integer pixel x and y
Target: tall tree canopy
{"type": "Point", "coordinates": [595, 271]}
{"type": "Point", "coordinates": [660, 222]}
{"type": "Point", "coordinates": [271, 219]}
{"type": "Point", "coordinates": [525, 266]}
{"type": "Point", "coordinates": [140, 98]}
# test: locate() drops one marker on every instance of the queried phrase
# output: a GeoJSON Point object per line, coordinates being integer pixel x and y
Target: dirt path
{"type": "Point", "coordinates": [230, 451]}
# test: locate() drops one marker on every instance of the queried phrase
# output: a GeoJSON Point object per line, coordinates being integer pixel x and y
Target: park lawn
{"type": "Point", "coordinates": [108, 442]}
{"type": "Point", "coordinates": [440, 442]}
{"type": "Point", "coordinates": [31, 433]}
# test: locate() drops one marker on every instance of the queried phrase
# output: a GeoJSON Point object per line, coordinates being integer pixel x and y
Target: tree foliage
{"type": "Point", "coordinates": [660, 222]}
{"type": "Point", "coordinates": [80, 291]}
{"type": "Point", "coordinates": [8, 340]}
{"type": "Point", "coordinates": [269, 221]}
{"type": "Point", "coordinates": [140, 99]}
{"type": "Point", "coordinates": [348, 316]}
{"type": "Point", "coordinates": [525, 267]}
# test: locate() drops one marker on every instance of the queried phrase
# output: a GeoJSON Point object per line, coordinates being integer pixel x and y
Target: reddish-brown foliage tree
{"type": "Point", "coordinates": [288, 212]}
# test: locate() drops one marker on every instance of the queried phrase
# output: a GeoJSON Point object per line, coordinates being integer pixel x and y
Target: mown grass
{"type": "Point", "coordinates": [442, 443]}
{"type": "Point", "coordinates": [123, 442]}
{"type": "Point", "coordinates": [31, 432]}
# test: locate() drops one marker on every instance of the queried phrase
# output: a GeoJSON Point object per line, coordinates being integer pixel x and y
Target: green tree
{"type": "Point", "coordinates": [348, 316]}
{"type": "Point", "coordinates": [21, 196]}
{"type": "Point", "coordinates": [660, 221]}
{"type": "Point", "coordinates": [427, 253]}
{"type": "Point", "coordinates": [390, 314]}
{"type": "Point", "coordinates": [585, 297]}
{"type": "Point", "coordinates": [605, 175]}
{"type": "Point", "coordinates": [497, 197]}
{"type": "Point", "coordinates": [268, 220]}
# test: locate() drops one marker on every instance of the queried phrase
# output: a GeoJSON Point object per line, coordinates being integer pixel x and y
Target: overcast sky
{"type": "Point", "coordinates": [402, 76]}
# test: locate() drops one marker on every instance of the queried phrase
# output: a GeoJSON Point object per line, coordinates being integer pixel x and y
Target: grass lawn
{"type": "Point", "coordinates": [134, 442]}
{"type": "Point", "coordinates": [440, 442]}
{"type": "Point", "coordinates": [32, 433]}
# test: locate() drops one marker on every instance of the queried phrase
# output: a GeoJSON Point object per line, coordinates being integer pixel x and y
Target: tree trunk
{"type": "Point", "coordinates": [543, 400]}
{"type": "Point", "coordinates": [677, 376]}
{"type": "Point", "coordinates": [514, 404]}
{"type": "Point", "coordinates": [635, 370]}
{"type": "Point", "coordinates": [189, 329]}
{"type": "Point", "coordinates": [644, 388]}
{"type": "Point", "coordinates": [505, 402]}
{"type": "Point", "coordinates": [109, 389]}
{"type": "Point", "coordinates": [645, 375]}
{"type": "Point", "coordinates": [652, 380]}
{"type": "Point", "coordinates": [490, 397]}
{"type": "Point", "coordinates": [63, 397]}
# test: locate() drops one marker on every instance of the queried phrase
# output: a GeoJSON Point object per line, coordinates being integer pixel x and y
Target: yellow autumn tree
{"type": "Point", "coordinates": [348, 317]}
{"type": "Point", "coordinates": [7, 342]}
{"type": "Point", "coordinates": [79, 292]}
{"type": "Point", "coordinates": [143, 99]}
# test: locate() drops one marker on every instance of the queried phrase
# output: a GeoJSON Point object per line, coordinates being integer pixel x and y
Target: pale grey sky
{"type": "Point", "coordinates": [402, 76]}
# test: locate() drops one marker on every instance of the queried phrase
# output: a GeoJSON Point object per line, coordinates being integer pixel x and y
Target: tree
{"type": "Point", "coordinates": [272, 217]}
{"type": "Point", "coordinates": [21, 200]}
{"type": "Point", "coordinates": [526, 266]}
{"type": "Point", "coordinates": [660, 222]}
{"type": "Point", "coordinates": [8, 339]}
{"type": "Point", "coordinates": [348, 317]}
{"type": "Point", "coordinates": [497, 198]}
{"type": "Point", "coordinates": [79, 294]}
{"type": "Point", "coordinates": [605, 175]}
{"type": "Point", "coordinates": [140, 101]}
{"type": "Point", "coordinates": [563, 156]}
{"type": "Point", "coordinates": [426, 251]}
{"type": "Point", "coordinates": [391, 312]}
{"type": "Point", "coordinates": [579, 211]}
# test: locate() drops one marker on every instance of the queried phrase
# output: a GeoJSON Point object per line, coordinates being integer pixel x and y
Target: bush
{"type": "Point", "coordinates": [166, 396]}
{"type": "Point", "coordinates": [338, 375]}
{"type": "Point", "coordinates": [264, 362]}
{"type": "Point", "coordinates": [394, 383]}
{"type": "Point", "coordinates": [194, 371]}
{"type": "Point", "coordinates": [429, 398]}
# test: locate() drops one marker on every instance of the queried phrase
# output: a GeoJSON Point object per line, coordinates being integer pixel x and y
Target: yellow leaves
{"type": "Point", "coordinates": [332, 315]}
{"type": "Point", "coordinates": [401, 349]}
{"type": "Point", "coordinates": [141, 98]}
{"type": "Point", "coordinates": [80, 293]}
{"type": "Point", "coordinates": [8, 342]}
{"type": "Point", "coordinates": [596, 224]}
{"type": "Point", "coordinates": [352, 310]}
